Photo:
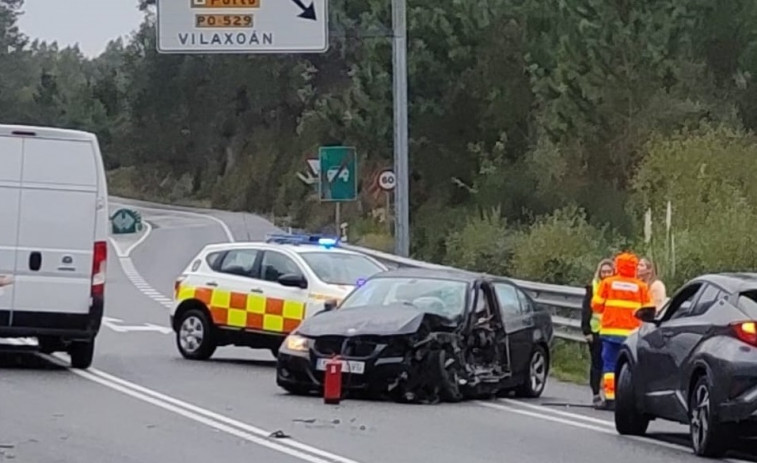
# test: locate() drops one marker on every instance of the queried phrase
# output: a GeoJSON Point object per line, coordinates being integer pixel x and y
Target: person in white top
{"type": "Point", "coordinates": [647, 272]}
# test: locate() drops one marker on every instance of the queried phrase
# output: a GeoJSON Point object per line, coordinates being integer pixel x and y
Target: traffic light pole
{"type": "Point", "coordinates": [401, 168]}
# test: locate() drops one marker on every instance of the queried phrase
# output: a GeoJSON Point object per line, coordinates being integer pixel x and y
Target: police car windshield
{"type": "Point", "coordinates": [340, 269]}
{"type": "Point", "coordinates": [433, 295]}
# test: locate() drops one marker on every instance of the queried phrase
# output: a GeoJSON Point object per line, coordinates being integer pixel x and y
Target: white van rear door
{"type": "Point", "coordinates": [56, 226]}
{"type": "Point", "coordinates": [10, 193]}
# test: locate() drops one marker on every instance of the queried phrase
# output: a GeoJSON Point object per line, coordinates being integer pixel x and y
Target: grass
{"type": "Point", "coordinates": [570, 361]}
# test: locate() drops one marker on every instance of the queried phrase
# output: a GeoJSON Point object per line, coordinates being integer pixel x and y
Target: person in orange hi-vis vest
{"type": "Point", "coordinates": [617, 299]}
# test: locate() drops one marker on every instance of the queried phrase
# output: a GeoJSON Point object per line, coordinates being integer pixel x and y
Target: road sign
{"type": "Point", "coordinates": [387, 180]}
{"type": "Point", "coordinates": [242, 26]}
{"type": "Point", "coordinates": [337, 173]}
{"type": "Point", "coordinates": [126, 221]}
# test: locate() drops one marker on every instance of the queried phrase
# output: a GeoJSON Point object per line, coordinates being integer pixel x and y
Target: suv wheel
{"type": "Point", "coordinates": [708, 436]}
{"type": "Point", "coordinates": [628, 419]}
{"type": "Point", "coordinates": [194, 337]}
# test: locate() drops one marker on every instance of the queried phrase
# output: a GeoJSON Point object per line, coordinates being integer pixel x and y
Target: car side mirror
{"type": "Point", "coordinates": [647, 314]}
{"type": "Point", "coordinates": [330, 305]}
{"type": "Point", "coordinates": [292, 280]}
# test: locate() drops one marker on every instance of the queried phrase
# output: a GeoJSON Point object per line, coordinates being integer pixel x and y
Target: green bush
{"type": "Point", "coordinates": [561, 248]}
{"type": "Point", "coordinates": [483, 244]}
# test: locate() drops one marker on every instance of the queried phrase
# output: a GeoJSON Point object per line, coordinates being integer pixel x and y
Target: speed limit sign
{"type": "Point", "coordinates": [387, 180]}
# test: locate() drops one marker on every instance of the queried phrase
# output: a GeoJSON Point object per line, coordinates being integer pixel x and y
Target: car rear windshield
{"type": "Point", "coordinates": [339, 268]}
{"type": "Point", "coordinates": [748, 303]}
{"type": "Point", "coordinates": [433, 295]}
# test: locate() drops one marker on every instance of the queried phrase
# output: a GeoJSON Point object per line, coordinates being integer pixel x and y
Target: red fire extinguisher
{"type": "Point", "coordinates": [332, 381]}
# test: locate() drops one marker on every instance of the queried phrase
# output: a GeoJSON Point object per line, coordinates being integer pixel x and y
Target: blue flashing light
{"type": "Point", "coordinates": [360, 282]}
{"type": "Point", "coordinates": [328, 243]}
{"type": "Point", "coordinates": [284, 238]}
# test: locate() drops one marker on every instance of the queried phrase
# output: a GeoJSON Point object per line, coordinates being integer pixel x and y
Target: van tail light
{"type": "Point", "coordinates": [747, 332]}
{"type": "Point", "coordinates": [99, 261]}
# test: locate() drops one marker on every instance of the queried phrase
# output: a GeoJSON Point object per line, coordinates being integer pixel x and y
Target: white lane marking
{"type": "Point", "coordinates": [115, 325]}
{"type": "Point", "coordinates": [209, 418]}
{"type": "Point", "coordinates": [130, 249]}
{"type": "Point", "coordinates": [543, 409]}
{"type": "Point", "coordinates": [608, 427]}
{"type": "Point", "coordinates": [226, 229]}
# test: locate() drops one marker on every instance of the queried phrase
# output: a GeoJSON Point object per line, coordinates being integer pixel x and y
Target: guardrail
{"type": "Point", "coordinates": [563, 302]}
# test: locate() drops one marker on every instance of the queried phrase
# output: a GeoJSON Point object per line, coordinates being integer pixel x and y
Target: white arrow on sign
{"type": "Point", "coordinates": [243, 26]}
{"type": "Point", "coordinates": [114, 324]}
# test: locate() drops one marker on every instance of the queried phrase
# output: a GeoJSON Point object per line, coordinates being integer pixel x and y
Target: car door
{"type": "Point", "coordinates": [518, 324]}
{"type": "Point", "coordinates": [486, 318]}
{"type": "Point", "coordinates": [681, 333]}
{"type": "Point", "coordinates": [11, 150]}
{"type": "Point", "coordinates": [285, 307]}
{"type": "Point", "coordinates": [234, 288]}
{"type": "Point", "coordinates": [656, 366]}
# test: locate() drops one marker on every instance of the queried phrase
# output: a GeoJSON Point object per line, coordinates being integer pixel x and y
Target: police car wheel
{"type": "Point", "coordinates": [628, 419]}
{"type": "Point", "coordinates": [194, 338]}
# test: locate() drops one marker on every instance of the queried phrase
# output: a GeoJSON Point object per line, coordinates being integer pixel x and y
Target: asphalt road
{"type": "Point", "coordinates": [141, 402]}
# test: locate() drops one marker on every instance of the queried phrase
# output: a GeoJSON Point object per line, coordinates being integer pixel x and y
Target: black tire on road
{"type": "Point", "coordinates": [709, 438]}
{"type": "Point", "coordinates": [82, 353]}
{"type": "Point", "coordinates": [536, 375]}
{"type": "Point", "coordinates": [628, 419]}
{"type": "Point", "coordinates": [195, 336]}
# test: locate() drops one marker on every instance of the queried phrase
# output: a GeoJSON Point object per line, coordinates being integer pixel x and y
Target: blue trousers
{"type": "Point", "coordinates": [610, 349]}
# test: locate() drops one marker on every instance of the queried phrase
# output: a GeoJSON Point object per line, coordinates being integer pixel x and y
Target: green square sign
{"type": "Point", "coordinates": [337, 173]}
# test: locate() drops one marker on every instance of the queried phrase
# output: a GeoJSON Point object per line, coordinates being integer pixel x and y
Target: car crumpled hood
{"type": "Point", "coordinates": [388, 320]}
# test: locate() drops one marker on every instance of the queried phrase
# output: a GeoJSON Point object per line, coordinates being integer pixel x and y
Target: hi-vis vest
{"type": "Point", "coordinates": [617, 299]}
{"type": "Point", "coordinates": [596, 318]}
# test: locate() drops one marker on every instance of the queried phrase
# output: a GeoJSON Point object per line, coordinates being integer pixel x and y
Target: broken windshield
{"type": "Point", "coordinates": [432, 295]}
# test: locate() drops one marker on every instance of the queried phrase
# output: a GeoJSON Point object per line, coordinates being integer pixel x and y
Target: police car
{"type": "Point", "coordinates": [253, 294]}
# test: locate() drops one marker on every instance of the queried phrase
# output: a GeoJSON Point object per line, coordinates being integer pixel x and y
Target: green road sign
{"type": "Point", "coordinates": [337, 173]}
{"type": "Point", "coordinates": [126, 221]}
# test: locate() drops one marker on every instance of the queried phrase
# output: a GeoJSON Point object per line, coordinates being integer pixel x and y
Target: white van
{"type": "Point", "coordinates": [53, 232]}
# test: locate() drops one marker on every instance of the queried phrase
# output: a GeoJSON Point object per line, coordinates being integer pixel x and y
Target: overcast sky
{"type": "Point", "coordinates": [90, 23]}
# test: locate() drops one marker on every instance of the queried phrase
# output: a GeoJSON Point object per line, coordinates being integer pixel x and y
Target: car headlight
{"type": "Point", "coordinates": [296, 343]}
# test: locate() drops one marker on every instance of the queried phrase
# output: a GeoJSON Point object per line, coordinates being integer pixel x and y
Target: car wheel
{"type": "Point", "coordinates": [628, 419]}
{"type": "Point", "coordinates": [536, 377]}
{"type": "Point", "coordinates": [194, 337]}
{"type": "Point", "coordinates": [708, 436]}
{"type": "Point", "coordinates": [82, 353]}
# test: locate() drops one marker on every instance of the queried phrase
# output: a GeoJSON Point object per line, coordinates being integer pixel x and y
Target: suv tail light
{"type": "Point", "coordinates": [747, 332]}
{"type": "Point", "coordinates": [98, 268]}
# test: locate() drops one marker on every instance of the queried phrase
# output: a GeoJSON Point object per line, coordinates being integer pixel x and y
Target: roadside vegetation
{"type": "Point", "coordinates": [541, 135]}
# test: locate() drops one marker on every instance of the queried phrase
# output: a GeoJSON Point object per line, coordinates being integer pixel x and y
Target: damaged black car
{"type": "Point", "coordinates": [417, 335]}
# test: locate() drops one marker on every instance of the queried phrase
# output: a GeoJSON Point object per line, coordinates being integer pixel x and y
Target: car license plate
{"type": "Point", "coordinates": [351, 366]}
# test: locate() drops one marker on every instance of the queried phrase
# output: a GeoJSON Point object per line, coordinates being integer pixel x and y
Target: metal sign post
{"type": "Point", "coordinates": [401, 195]}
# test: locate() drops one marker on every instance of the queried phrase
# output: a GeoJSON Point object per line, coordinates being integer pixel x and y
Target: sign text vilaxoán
{"type": "Point", "coordinates": [242, 26]}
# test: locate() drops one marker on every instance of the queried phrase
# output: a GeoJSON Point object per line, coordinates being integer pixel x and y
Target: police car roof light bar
{"type": "Point", "coordinates": [284, 238]}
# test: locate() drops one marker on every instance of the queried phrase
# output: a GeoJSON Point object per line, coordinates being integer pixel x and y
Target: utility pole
{"type": "Point", "coordinates": [401, 167]}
